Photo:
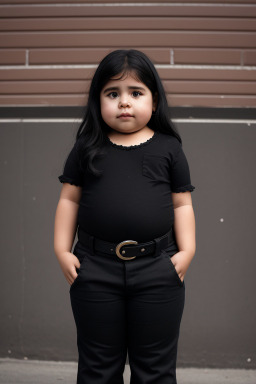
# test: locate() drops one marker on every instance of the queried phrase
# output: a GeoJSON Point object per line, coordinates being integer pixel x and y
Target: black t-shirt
{"type": "Point", "coordinates": [132, 199]}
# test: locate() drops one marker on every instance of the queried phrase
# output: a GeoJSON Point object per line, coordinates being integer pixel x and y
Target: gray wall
{"type": "Point", "coordinates": [218, 326]}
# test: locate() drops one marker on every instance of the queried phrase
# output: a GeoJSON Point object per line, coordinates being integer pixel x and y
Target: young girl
{"type": "Point", "coordinates": [127, 188]}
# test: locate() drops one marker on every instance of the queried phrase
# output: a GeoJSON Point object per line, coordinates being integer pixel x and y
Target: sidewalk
{"type": "Point", "coordinates": [48, 372]}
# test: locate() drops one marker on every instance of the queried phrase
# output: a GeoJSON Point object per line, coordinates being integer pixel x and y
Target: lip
{"type": "Point", "coordinates": [124, 115]}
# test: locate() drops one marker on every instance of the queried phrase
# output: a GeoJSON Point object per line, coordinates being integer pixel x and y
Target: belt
{"type": "Point", "coordinates": [127, 249]}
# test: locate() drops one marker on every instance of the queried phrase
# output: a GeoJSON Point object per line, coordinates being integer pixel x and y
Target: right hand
{"type": "Point", "coordinates": [69, 262]}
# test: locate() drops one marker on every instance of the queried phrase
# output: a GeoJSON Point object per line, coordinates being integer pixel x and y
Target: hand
{"type": "Point", "coordinates": [181, 261]}
{"type": "Point", "coordinates": [69, 262]}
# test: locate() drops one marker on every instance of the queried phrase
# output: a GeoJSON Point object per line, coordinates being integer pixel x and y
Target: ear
{"type": "Point", "coordinates": [155, 99]}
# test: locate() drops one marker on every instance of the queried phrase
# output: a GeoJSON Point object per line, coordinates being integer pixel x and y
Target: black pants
{"type": "Point", "coordinates": [132, 306]}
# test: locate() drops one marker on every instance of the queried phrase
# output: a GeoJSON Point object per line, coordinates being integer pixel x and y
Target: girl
{"type": "Point", "coordinates": [127, 188]}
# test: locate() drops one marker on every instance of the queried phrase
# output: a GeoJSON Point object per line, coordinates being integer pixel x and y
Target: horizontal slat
{"type": "Point", "coordinates": [82, 87]}
{"type": "Point", "coordinates": [46, 74]}
{"type": "Point", "coordinates": [159, 56]}
{"type": "Point", "coordinates": [210, 87]}
{"type": "Point", "coordinates": [249, 58]}
{"type": "Point", "coordinates": [12, 56]}
{"type": "Point", "coordinates": [122, 23]}
{"type": "Point", "coordinates": [173, 100]}
{"type": "Point", "coordinates": [156, 9]}
{"type": "Point", "coordinates": [206, 56]}
{"type": "Point", "coordinates": [165, 74]}
{"type": "Point", "coordinates": [113, 39]}
{"type": "Point", "coordinates": [121, 1]}
{"type": "Point", "coordinates": [67, 56]}
{"type": "Point", "coordinates": [46, 100]}
{"type": "Point", "coordinates": [88, 56]}
{"type": "Point", "coordinates": [207, 74]}
{"type": "Point", "coordinates": [44, 87]}
{"type": "Point", "coordinates": [211, 101]}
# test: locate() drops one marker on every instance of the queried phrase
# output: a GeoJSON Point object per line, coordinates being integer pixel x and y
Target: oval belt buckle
{"type": "Point", "coordinates": [120, 245]}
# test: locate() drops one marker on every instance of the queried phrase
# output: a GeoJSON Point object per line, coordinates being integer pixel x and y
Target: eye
{"type": "Point", "coordinates": [136, 93]}
{"type": "Point", "coordinates": [112, 95]}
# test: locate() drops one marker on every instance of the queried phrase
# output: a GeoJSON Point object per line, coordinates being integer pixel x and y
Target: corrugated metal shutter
{"type": "Point", "coordinates": [205, 52]}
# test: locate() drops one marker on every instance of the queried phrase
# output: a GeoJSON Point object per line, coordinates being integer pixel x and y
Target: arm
{"type": "Point", "coordinates": [184, 228]}
{"type": "Point", "coordinates": [65, 229]}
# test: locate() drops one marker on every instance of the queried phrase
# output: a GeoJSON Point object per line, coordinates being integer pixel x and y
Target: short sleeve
{"type": "Point", "coordinates": [72, 173]}
{"type": "Point", "coordinates": [180, 173]}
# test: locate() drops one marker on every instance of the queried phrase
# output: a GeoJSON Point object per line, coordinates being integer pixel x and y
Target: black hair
{"type": "Point", "coordinates": [93, 130]}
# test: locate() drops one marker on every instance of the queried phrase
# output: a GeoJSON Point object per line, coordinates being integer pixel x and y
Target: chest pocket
{"type": "Point", "coordinates": [156, 168]}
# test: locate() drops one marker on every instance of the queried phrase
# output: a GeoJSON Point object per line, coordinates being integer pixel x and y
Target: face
{"type": "Point", "coordinates": [126, 104]}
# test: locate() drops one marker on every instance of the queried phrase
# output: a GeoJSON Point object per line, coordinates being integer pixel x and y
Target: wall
{"type": "Point", "coordinates": [218, 326]}
{"type": "Point", "coordinates": [205, 51]}
{"type": "Point", "coordinates": [205, 54]}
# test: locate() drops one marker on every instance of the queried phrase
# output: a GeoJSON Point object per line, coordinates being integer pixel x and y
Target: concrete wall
{"type": "Point", "coordinates": [218, 326]}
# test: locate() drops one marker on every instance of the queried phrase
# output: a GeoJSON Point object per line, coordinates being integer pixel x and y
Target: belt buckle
{"type": "Point", "coordinates": [120, 245]}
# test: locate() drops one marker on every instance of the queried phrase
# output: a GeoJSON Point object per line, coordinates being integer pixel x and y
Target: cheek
{"type": "Point", "coordinates": [106, 109]}
{"type": "Point", "coordinates": [145, 109]}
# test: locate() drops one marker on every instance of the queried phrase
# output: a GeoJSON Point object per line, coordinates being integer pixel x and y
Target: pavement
{"type": "Point", "coordinates": [14, 371]}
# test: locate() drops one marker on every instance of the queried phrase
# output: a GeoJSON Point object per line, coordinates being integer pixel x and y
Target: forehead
{"type": "Point", "coordinates": [124, 80]}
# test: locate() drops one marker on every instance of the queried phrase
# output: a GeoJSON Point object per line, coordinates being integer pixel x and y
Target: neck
{"type": "Point", "coordinates": [131, 138]}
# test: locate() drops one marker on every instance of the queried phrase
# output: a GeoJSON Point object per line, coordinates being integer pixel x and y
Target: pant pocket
{"type": "Point", "coordinates": [168, 257]}
{"type": "Point", "coordinates": [81, 255]}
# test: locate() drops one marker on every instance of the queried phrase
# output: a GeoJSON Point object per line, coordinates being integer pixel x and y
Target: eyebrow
{"type": "Point", "coordinates": [117, 89]}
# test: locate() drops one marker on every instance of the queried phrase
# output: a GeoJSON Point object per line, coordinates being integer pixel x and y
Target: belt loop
{"type": "Point", "coordinates": [158, 247]}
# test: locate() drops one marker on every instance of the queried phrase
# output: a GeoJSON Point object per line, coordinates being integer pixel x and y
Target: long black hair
{"type": "Point", "coordinates": [93, 130]}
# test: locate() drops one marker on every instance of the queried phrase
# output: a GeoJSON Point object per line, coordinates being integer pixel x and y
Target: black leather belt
{"type": "Point", "coordinates": [127, 249]}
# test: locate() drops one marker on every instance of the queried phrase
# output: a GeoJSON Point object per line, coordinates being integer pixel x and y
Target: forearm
{"type": "Point", "coordinates": [65, 226]}
{"type": "Point", "coordinates": [184, 228]}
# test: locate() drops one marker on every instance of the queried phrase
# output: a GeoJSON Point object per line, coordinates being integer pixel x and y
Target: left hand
{"type": "Point", "coordinates": [181, 261]}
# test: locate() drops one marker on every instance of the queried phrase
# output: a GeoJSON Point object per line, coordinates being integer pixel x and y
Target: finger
{"type": "Point", "coordinates": [74, 276]}
{"type": "Point", "coordinates": [173, 260]}
{"type": "Point", "coordinates": [73, 271]}
{"type": "Point", "coordinates": [71, 277]}
{"type": "Point", "coordinates": [77, 262]}
{"type": "Point", "coordinates": [71, 281]}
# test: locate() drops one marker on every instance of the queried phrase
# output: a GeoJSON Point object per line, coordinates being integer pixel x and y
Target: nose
{"type": "Point", "coordinates": [124, 103]}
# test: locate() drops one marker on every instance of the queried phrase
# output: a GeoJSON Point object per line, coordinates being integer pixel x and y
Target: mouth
{"type": "Point", "coordinates": [124, 115]}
